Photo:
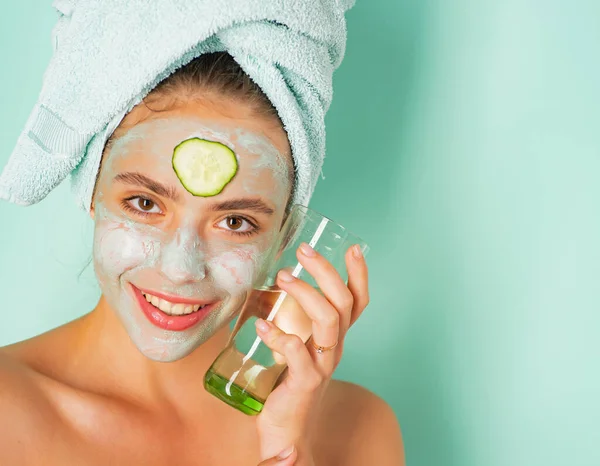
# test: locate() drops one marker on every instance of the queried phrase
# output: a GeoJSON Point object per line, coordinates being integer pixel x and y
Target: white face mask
{"type": "Point", "coordinates": [181, 253]}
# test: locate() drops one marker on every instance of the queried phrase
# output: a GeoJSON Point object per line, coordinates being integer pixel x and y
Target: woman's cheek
{"type": "Point", "coordinates": [235, 270]}
{"type": "Point", "coordinates": [118, 248]}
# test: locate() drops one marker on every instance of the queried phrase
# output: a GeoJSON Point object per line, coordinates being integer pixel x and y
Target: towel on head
{"type": "Point", "coordinates": [109, 54]}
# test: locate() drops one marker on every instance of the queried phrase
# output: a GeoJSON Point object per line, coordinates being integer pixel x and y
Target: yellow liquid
{"type": "Point", "coordinates": [290, 317]}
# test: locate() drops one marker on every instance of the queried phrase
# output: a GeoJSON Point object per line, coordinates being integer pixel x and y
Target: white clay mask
{"type": "Point", "coordinates": [176, 251]}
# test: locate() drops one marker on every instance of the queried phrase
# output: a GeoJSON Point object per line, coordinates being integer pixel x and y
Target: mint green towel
{"type": "Point", "coordinates": [109, 54]}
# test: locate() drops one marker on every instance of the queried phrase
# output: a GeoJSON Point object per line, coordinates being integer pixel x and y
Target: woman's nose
{"type": "Point", "coordinates": [182, 259]}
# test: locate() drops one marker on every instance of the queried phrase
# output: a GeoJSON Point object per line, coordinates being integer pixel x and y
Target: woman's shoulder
{"type": "Point", "coordinates": [30, 372]}
{"type": "Point", "coordinates": [40, 359]}
{"type": "Point", "coordinates": [26, 413]}
{"type": "Point", "coordinates": [22, 364]}
{"type": "Point", "coordinates": [360, 425]}
{"type": "Point", "coordinates": [18, 377]}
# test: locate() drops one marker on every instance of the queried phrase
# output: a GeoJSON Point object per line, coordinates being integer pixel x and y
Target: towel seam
{"type": "Point", "coordinates": [31, 135]}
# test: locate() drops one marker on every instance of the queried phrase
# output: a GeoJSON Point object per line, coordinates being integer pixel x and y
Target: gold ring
{"type": "Point", "coordinates": [322, 349]}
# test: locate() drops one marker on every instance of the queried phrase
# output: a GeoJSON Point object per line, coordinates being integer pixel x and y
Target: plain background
{"type": "Point", "coordinates": [463, 145]}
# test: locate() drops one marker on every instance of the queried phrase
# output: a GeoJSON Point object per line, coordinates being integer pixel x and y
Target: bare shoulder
{"type": "Point", "coordinates": [25, 411]}
{"type": "Point", "coordinates": [358, 427]}
{"type": "Point", "coordinates": [18, 385]}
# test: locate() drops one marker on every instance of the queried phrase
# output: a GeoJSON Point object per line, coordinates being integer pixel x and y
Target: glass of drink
{"type": "Point", "coordinates": [246, 371]}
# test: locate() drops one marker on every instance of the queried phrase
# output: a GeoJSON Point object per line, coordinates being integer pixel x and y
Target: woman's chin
{"type": "Point", "coordinates": [168, 346]}
{"type": "Point", "coordinates": [165, 353]}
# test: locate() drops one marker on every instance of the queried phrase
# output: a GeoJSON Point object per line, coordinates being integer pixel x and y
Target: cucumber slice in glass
{"type": "Point", "coordinates": [204, 167]}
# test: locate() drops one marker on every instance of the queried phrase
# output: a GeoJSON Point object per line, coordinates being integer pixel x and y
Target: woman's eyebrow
{"type": "Point", "coordinates": [255, 204]}
{"type": "Point", "coordinates": [138, 179]}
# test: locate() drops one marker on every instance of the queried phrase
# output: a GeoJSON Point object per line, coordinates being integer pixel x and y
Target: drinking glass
{"type": "Point", "coordinates": [246, 371]}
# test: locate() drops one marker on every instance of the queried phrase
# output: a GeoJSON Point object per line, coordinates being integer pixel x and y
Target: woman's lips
{"type": "Point", "coordinates": [175, 299]}
{"type": "Point", "coordinates": [169, 322]}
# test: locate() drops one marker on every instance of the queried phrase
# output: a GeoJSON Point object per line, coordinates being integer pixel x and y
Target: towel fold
{"type": "Point", "coordinates": [109, 54]}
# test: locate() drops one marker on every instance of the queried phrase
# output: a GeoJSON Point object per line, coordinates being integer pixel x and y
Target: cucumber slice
{"type": "Point", "coordinates": [204, 167]}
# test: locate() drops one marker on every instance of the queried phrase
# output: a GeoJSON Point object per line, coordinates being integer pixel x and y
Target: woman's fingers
{"type": "Point", "coordinates": [302, 372]}
{"type": "Point", "coordinates": [348, 300]}
{"type": "Point", "coordinates": [332, 310]}
{"type": "Point", "coordinates": [286, 458]}
{"type": "Point", "coordinates": [358, 281]}
{"type": "Point", "coordinates": [329, 281]}
{"type": "Point", "coordinates": [325, 318]}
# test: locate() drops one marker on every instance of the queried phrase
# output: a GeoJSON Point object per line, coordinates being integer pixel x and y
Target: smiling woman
{"type": "Point", "coordinates": [192, 248]}
{"type": "Point", "coordinates": [174, 269]}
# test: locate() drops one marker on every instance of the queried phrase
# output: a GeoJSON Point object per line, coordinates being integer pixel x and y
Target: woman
{"type": "Point", "coordinates": [118, 385]}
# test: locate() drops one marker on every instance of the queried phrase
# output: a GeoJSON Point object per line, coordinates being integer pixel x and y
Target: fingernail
{"type": "Point", "coordinates": [286, 453]}
{"type": "Point", "coordinates": [286, 276]}
{"type": "Point", "coordinates": [262, 325]}
{"type": "Point", "coordinates": [356, 251]}
{"type": "Point", "coordinates": [307, 250]}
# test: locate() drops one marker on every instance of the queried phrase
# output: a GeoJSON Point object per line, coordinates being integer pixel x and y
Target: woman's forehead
{"type": "Point", "coordinates": [149, 145]}
{"type": "Point", "coordinates": [161, 135]}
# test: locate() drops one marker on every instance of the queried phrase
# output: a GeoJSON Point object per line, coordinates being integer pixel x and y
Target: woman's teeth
{"type": "Point", "coordinates": [179, 309]}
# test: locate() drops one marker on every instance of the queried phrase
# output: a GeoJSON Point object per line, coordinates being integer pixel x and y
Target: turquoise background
{"type": "Point", "coordinates": [463, 145]}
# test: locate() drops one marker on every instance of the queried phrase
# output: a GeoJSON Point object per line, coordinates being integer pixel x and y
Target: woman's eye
{"type": "Point", "coordinates": [238, 225]}
{"type": "Point", "coordinates": [144, 205]}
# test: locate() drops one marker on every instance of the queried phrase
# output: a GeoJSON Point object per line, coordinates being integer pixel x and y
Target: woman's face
{"type": "Point", "coordinates": [160, 252]}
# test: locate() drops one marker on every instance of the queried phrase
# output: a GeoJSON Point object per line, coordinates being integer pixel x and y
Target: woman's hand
{"type": "Point", "coordinates": [287, 457]}
{"type": "Point", "coordinates": [291, 410]}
